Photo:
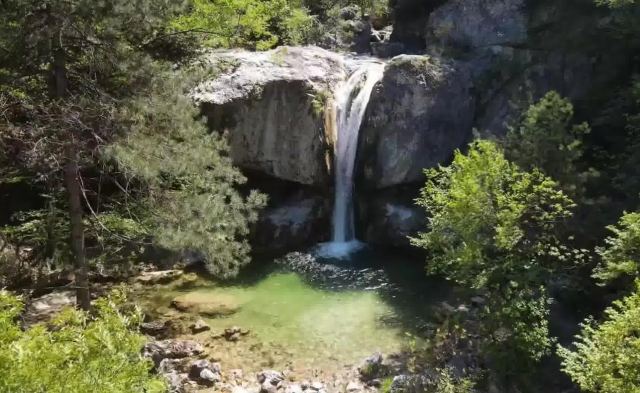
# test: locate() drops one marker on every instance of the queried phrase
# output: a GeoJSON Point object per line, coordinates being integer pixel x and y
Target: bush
{"type": "Point", "coordinates": [606, 358]}
{"type": "Point", "coordinates": [80, 353]}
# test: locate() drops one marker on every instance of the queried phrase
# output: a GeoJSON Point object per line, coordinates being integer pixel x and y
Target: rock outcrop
{"type": "Point", "coordinates": [469, 25]}
{"type": "Point", "coordinates": [271, 105]}
{"type": "Point", "coordinates": [418, 115]}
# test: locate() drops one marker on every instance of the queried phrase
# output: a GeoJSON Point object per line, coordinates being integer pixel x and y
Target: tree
{"type": "Point", "coordinates": [82, 353]}
{"type": "Point", "coordinates": [606, 357]}
{"type": "Point", "coordinates": [187, 178]}
{"type": "Point", "coordinates": [78, 78]}
{"type": "Point", "coordinates": [621, 254]}
{"type": "Point", "coordinates": [546, 139]}
{"type": "Point", "coordinates": [254, 24]}
{"type": "Point", "coordinates": [493, 228]}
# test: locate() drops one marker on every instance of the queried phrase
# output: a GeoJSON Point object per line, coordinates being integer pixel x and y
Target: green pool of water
{"type": "Point", "coordinates": [299, 327]}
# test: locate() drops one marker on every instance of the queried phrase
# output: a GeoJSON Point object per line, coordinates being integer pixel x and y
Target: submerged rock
{"type": "Point", "coordinates": [206, 304]}
{"type": "Point", "coordinates": [333, 276]}
{"type": "Point", "coordinates": [199, 326]}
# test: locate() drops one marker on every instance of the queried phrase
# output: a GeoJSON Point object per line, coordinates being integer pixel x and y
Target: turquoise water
{"type": "Point", "coordinates": [297, 326]}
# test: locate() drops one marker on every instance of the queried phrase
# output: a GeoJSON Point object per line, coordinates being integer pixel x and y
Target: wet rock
{"type": "Point", "coordinates": [206, 304]}
{"type": "Point", "coordinates": [270, 381]}
{"type": "Point", "coordinates": [372, 367]}
{"type": "Point", "coordinates": [234, 333]}
{"type": "Point", "coordinates": [157, 329]}
{"type": "Point", "coordinates": [171, 349]}
{"type": "Point", "coordinates": [333, 276]}
{"type": "Point", "coordinates": [199, 326]}
{"type": "Point", "coordinates": [158, 277]}
{"type": "Point", "coordinates": [420, 112]}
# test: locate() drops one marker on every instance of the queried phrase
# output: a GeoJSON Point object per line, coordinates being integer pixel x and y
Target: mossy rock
{"type": "Point", "coordinates": [206, 304]}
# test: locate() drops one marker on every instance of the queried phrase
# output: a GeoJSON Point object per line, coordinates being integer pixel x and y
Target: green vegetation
{"type": "Point", "coordinates": [493, 228]}
{"type": "Point", "coordinates": [605, 358]}
{"type": "Point", "coordinates": [253, 24]}
{"type": "Point", "coordinates": [621, 255]}
{"type": "Point", "coordinates": [81, 353]}
{"type": "Point", "coordinates": [546, 139]}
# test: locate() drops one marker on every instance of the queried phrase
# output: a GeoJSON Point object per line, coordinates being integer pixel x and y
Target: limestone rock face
{"type": "Point", "coordinates": [292, 224]}
{"type": "Point", "coordinates": [270, 103]}
{"type": "Point", "coordinates": [417, 116]}
{"type": "Point", "coordinates": [389, 218]}
{"type": "Point", "coordinates": [473, 24]}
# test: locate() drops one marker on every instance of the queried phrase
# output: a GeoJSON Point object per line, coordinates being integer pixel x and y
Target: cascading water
{"type": "Point", "coordinates": [350, 104]}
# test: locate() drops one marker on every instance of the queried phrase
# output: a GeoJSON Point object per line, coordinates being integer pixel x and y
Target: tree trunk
{"type": "Point", "coordinates": [72, 183]}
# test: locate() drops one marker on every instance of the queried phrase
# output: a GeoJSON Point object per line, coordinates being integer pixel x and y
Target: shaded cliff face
{"type": "Point", "coordinates": [419, 114]}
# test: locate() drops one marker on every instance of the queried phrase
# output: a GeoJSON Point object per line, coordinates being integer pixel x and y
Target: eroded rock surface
{"type": "Point", "coordinates": [271, 104]}
{"type": "Point", "coordinates": [418, 115]}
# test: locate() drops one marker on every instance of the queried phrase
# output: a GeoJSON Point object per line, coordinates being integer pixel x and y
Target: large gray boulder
{"type": "Point", "coordinates": [271, 105]}
{"type": "Point", "coordinates": [417, 116]}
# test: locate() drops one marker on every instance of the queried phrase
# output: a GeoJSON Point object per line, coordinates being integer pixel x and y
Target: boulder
{"type": "Point", "coordinates": [157, 329]}
{"type": "Point", "coordinates": [416, 383]}
{"type": "Point", "coordinates": [204, 372]}
{"type": "Point", "coordinates": [270, 381]}
{"type": "Point", "coordinates": [45, 307]}
{"type": "Point", "coordinates": [171, 349]}
{"type": "Point", "coordinates": [271, 104]}
{"type": "Point", "coordinates": [372, 368]}
{"type": "Point", "coordinates": [206, 304]}
{"type": "Point", "coordinates": [421, 111]}
{"type": "Point", "coordinates": [199, 326]}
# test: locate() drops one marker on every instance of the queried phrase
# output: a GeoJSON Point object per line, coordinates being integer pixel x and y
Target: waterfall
{"type": "Point", "coordinates": [350, 104]}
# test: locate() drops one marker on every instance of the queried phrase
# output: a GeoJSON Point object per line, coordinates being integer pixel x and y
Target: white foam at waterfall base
{"type": "Point", "coordinates": [350, 99]}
